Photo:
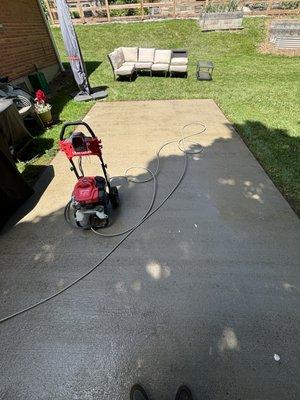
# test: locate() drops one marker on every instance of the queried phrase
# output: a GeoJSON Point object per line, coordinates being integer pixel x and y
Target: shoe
{"type": "Point", "coordinates": [138, 393]}
{"type": "Point", "coordinates": [183, 393]}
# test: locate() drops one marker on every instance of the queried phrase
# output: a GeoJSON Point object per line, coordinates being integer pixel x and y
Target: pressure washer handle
{"type": "Point", "coordinates": [75, 123]}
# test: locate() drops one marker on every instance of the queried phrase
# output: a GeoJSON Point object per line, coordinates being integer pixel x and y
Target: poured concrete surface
{"type": "Point", "coordinates": [206, 292]}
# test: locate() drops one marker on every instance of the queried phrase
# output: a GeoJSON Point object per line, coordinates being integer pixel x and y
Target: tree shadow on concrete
{"type": "Point", "coordinates": [162, 309]}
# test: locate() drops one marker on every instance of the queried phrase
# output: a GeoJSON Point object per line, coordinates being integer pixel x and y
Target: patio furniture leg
{"type": "Point", "coordinates": [166, 74]}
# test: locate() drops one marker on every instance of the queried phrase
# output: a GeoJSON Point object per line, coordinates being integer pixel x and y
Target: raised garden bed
{"type": "Point", "coordinates": [221, 20]}
{"type": "Point", "coordinates": [285, 34]}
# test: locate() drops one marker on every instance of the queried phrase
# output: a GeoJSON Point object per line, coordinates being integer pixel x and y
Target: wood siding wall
{"type": "Point", "coordinates": [24, 39]}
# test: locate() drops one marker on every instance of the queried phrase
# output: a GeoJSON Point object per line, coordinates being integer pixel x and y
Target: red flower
{"type": "Point", "coordinates": [40, 96]}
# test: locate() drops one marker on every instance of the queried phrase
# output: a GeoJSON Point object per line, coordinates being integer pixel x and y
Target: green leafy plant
{"type": "Point", "coordinates": [231, 6]}
{"type": "Point", "coordinates": [124, 12]}
{"type": "Point", "coordinates": [290, 5]}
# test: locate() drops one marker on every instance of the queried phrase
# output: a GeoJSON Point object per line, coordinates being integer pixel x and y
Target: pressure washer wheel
{"type": "Point", "coordinates": [114, 197]}
{"type": "Point", "coordinates": [95, 223]}
{"type": "Point", "coordinates": [92, 221]}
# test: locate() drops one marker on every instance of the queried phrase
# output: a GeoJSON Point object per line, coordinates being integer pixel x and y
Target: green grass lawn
{"type": "Point", "coordinates": [258, 93]}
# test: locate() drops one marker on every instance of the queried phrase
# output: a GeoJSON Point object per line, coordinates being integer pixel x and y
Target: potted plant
{"type": "Point", "coordinates": [43, 108]}
{"type": "Point", "coordinates": [221, 16]}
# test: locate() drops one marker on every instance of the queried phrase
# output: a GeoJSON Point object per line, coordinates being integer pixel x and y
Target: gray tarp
{"type": "Point", "coordinates": [72, 46]}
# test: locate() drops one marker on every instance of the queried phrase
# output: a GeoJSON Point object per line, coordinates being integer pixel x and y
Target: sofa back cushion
{"type": "Point", "coordinates": [130, 54]}
{"type": "Point", "coordinates": [116, 58]}
{"type": "Point", "coordinates": [162, 56]}
{"type": "Point", "coordinates": [146, 55]}
{"type": "Point", "coordinates": [120, 55]}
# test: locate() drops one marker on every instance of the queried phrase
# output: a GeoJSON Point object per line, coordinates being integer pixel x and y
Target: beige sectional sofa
{"type": "Point", "coordinates": [126, 61]}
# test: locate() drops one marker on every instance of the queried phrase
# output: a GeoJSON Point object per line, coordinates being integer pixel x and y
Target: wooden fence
{"type": "Point", "coordinates": [95, 11]}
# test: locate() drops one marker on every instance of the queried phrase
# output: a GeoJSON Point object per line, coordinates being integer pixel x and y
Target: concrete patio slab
{"type": "Point", "coordinates": [205, 292]}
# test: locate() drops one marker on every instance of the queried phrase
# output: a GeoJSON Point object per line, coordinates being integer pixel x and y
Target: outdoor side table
{"type": "Point", "coordinates": [204, 70]}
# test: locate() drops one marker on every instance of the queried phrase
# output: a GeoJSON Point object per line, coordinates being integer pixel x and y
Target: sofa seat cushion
{"type": "Point", "coordinates": [125, 70]}
{"type": "Point", "coordinates": [130, 53]}
{"type": "Point", "coordinates": [162, 56]}
{"type": "Point", "coordinates": [143, 65]}
{"type": "Point", "coordinates": [160, 67]}
{"type": "Point", "coordinates": [116, 58]}
{"type": "Point", "coordinates": [179, 60]}
{"type": "Point", "coordinates": [178, 68]}
{"type": "Point", "coordinates": [129, 64]}
{"type": "Point", "coordinates": [146, 55]}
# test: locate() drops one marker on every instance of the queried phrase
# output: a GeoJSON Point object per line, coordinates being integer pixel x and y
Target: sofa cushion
{"type": "Point", "coordinates": [179, 60]}
{"type": "Point", "coordinates": [146, 55]}
{"type": "Point", "coordinates": [143, 65]}
{"type": "Point", "coordinates": [130, 53]}
{"type": "Point", "coordinates": [125, 70]}
{"type": "Point", "coordinates": [116, 58]}
{"type": "Point", "coordinates": [178, 68]}
{"type": "Point", "coordinates": [129, 64]}
{"type": "Point", "coordinates": [162, 57]}
{"type": "Point", "coordinates": [121, 55]}
{"type": "Point", "coordinates": [160, 67]}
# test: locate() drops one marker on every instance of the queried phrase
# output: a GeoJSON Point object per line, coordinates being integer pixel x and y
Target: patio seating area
{"type": "Point", "coordinates": [126, 61]}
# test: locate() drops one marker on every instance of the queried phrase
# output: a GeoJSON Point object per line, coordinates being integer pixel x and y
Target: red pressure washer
{"type": "Point", "coordinates": [91, 195]}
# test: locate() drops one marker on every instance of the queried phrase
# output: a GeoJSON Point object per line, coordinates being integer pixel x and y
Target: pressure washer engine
{"type": "Point", "coordinates": [89, 204]}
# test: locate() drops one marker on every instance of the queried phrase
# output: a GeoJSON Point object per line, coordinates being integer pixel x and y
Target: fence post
{"type": "Point", "coordinates": [269, 8]}
{"type": "Point", "coordinates": [142, 10]}
{"type": "Point", "coordinates": [174, 8]}
{"type": "Point", "coordinates": [49, 12]}
{"type": "Point", "coordinates": [80, 10]}
{"type": "Point", "coordinates": [107, 10]}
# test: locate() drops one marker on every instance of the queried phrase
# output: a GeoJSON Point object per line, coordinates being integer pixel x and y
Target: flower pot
{"type": "Point", "coordinates": [221, 20]}
{"type": "Point", "coordinates": [46, 117]}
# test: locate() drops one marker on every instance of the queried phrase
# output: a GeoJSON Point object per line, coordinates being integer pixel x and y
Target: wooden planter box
{"type": "Point", "coordinates": [221, 21]}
